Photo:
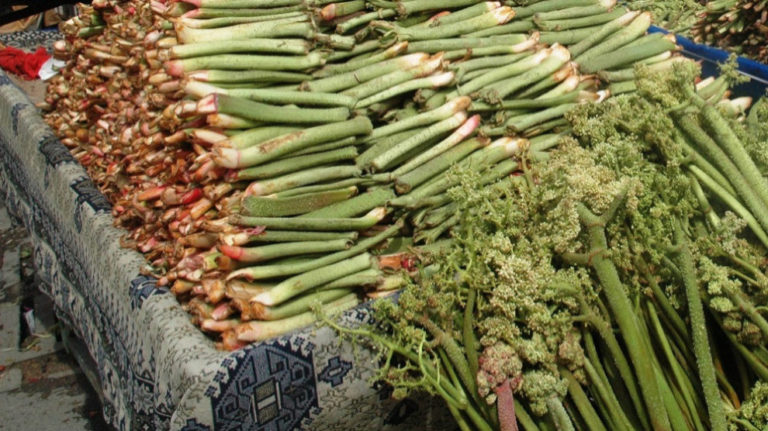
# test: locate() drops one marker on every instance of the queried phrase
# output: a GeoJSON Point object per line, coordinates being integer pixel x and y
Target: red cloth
{"type": "Point", "coordinates": [22, 63]}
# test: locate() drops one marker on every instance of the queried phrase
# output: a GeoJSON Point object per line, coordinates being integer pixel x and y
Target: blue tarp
{"type": "Point", "coordinates": [710, 57]}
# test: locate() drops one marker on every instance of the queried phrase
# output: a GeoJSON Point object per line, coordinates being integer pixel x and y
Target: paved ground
{"type": "Point", "coordinates": [41, 386]}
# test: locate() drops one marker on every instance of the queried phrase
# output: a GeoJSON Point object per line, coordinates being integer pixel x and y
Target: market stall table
{"type": "Point", "coordinates": [157, 371]}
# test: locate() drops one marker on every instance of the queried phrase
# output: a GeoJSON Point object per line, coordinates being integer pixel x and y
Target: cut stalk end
{"type": "Point", "coordinates": [201, 89]}
{"type": "Point", "coordinates": [226, 157]}
{"type": "Point", "coordinates": [208, 104]}
{"type": "Point", "coordinates": [441, 79]}
{"type": "Point", "coordinates": [560, 52]}
{"type": "Point", "coordinates": [469, 126]}
{"type": "Point", "coordinates": [198, 75]}
{"type": "Point", "coordinates": [413, 60]}
{"type": "Point", "coordinates": [233, 252]}
{"type": "Point", "coordinates": [328, 13]}
{"type": "Point", "coordinates": [195, 3]}
{"type": "Point", "coordinates": [459, 104]}
{"type": "Point", "coordinates": [503, 14]}
{"type": "Point", "coordinates": [175, 68]}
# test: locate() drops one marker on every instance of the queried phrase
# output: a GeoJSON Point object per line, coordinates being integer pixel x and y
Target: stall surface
{"type": "Point", "coordinates": [157, 371]}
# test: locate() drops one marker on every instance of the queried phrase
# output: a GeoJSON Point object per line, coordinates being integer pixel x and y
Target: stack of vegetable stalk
{"type": "Point", "coordinates": [294, 154]}
{"type": "Point", "coordinates": [677, 16]}
{"type": "Point", "coordinates": [330, 144]}
{"type": "Point", "coordinates": [350, 147]}
{"type": "Point", "coordinates": [739, 26]}
{"type": "Point", "coordinates": [610, 289]}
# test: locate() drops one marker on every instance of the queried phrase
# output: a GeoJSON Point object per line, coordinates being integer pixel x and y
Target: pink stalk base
{"type": "Point", "coordinates": [208, 104]}
{"type": "Point", "coordinates": [175, 68]}
{"type": "Point", "coordinates": [329, 12]}
{"type": "Point", "coordinates": [505, 403]}
{"type": "Point", "coordinates": [192, 14]}
{"type": "Point", "coordinates": [231, 251]}
{"type": "Point", "coordinates": [193, 2]}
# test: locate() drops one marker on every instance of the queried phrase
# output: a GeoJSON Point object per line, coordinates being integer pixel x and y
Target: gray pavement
{"type": "Point", "coordinates": [41, 385]}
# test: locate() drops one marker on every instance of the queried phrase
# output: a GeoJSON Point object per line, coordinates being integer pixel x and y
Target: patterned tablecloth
{"type": "Point", "coordinates": [157, 370]}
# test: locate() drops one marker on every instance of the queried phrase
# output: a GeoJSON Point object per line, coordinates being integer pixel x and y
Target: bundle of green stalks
{"type": "Point", "coordinates": [738, 26]}
{"type": "Point", "coordinates": [616, 285]}
{"type": "Point", "coordinates": [318, 137]}
{"type": "Point", "coordinates": [586, 261]}
{"type": "Point", "coordinates": [338, 123]}
{"type": "Point", "coordinates": [677, 16]}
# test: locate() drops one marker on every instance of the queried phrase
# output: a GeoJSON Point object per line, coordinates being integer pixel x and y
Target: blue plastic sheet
{"type": "Point", "coordinates": [710, 57]}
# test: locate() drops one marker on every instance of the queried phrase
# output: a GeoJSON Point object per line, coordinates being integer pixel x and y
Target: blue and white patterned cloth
{"type": "Point", "coordinates": [157, 370]}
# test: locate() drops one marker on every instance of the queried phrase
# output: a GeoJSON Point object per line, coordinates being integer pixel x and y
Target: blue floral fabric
{"type": "Point", "coordinates": [157, 370]}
